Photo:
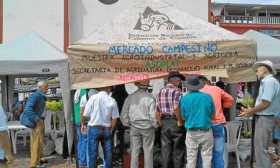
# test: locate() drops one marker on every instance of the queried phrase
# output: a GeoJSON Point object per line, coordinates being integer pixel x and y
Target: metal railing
{"type": "Point", "coordinates": [250, 19]}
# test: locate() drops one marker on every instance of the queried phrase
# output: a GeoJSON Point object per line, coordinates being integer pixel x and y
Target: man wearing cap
{"type": "Point", "coordinates": [103, 112]}
{"type": "Point", "coordinates": [32, 117]}
{"type": "Point", "coordinates": [172, 132]}
{"type": "Point", "coordinates": [197, 108]}
{"type": "Point", "coordinates": [139, 113]}
{"type": "Point", "coordinates": [266, 107]}
{"type": "Point", "coordinates": [221, 100]}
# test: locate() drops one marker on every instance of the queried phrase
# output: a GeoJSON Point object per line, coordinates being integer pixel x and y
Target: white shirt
{"type": "Point", "coordinates": [269, 90]}
{"type": "Point", "coordinates": [101, 108]}
{"type": "Point", "coordinates": [84, 100]}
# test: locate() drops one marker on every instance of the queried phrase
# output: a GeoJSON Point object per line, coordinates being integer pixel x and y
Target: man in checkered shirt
{"type": "Point", "coordinates": [172, 131]}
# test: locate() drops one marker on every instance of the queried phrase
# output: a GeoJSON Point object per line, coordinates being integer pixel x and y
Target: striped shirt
{"type": "Point", "coordinates": [168, 99]}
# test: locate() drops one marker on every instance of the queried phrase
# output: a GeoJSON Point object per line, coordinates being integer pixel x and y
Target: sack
{"type": "Point", "coordinates": [26, 121]}
{"type": "Point", "coordinates": [49, 146]}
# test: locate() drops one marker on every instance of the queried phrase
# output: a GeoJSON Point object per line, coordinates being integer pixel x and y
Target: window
{"type": "Point", "coordinates": [236, 13]}
{"type": "Point", "coordinates": [262, 14]}
{"type": "Point", "coordinates": [275, 14]}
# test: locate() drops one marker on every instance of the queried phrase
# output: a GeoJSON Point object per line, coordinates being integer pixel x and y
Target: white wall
{"type": "Point", "coordinates": [86, 15]}
{"type": "Point", "coordinates": [46, 16]}
{"type": "Point", "coordinates": [42, 16]}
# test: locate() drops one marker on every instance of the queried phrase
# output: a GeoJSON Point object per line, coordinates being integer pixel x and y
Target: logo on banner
{"type": "Point", "coordinates": [108, 2]}
{"type": "Point", "coordinates": [152, 20]}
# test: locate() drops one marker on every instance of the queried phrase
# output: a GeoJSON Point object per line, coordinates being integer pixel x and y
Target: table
{"type": "Point", "coordinates": [13, 127]}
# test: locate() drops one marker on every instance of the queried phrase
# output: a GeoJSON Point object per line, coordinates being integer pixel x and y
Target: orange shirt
{"type": "Point", "coordinates": [221, 100]}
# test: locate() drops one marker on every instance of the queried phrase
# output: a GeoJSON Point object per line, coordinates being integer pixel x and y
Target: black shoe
{"type": "Point", "coordinates": [2, 161]}
{"type": "Point", "coordinates": [43, 161]}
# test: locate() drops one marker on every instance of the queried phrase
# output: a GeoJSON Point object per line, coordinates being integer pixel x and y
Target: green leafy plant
{"type": "Point", "coordinates": [246, 134]}
{"type": "Point", "coordinates": [53, 105]}
{"type": "Point", "coordinates": [247, 101]}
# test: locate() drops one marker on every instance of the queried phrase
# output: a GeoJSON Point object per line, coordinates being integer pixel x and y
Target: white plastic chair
{"type": "Point", "coordinates": [233, 130]}
{"type": "Point", "coordinates": [10, 116]}
{"type": "Point", "coordinates": [22, 133]}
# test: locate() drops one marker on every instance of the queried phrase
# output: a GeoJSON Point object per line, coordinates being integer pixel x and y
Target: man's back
{"type": "Point", "coordinates": [139, 109]}
{"type": "Point", "coordinates": [221, 100]}
{"type": "Point", "coordinates": [35, 106]}
{"type": "Point", "coordinates": [197, 108]}
{"type": "Point", "coordinates": [101, 108]}
{"type": "Point", "coordinates": [167, 98]}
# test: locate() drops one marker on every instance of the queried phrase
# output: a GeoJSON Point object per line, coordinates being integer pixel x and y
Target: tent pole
{"type": "Point", "coordinates": [4, 92]}
{"type": "Point", "coordinates": [10, 89]}
{"type": "Point", "coordinates": [254, 124]}
{"type": "Point", "coordinates": [7, 94]}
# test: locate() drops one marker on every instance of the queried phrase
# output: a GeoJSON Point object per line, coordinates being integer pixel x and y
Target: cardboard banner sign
{"type": "Point", "coordinates": [94, 66]}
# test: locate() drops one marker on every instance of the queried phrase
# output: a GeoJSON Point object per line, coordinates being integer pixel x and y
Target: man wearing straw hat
{"type": "Point", "coordinates": [197, 108]}
{"type": "Point", "coordinates": [172, 131]}
{"type": "Point", "coordinates": [139, 113]}
{"type": "Point", "coordinates": [266, 107]}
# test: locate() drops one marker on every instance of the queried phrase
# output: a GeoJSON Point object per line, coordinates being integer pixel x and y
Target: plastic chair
{"type": "Point", "coordinates": [10, 116]}
{"type": "Point", "coordinates": [22, 133]}
{"type": "Point", "coordinates": [233, 131]}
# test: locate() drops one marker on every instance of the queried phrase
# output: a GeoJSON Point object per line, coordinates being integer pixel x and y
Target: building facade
{"type": "Point", "coordinates": [63, 22]}
{"type": "Point", "coordinates": [240, 16]}
{"type": "Point", "coordinates": [87, 15]}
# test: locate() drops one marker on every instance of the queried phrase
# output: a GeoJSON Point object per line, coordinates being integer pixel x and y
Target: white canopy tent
{"type": "Point", "coordinates": [33, 56]}
{"type": "Point", "coordinates": [149, 39]}
{"type": "Point", "coordinates": [267, 47]}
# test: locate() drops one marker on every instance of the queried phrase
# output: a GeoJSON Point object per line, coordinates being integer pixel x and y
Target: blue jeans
{"type": "Point", "coordinates": [81, 146]}
{"type": "Point", "coordinates": [96, 135]}
{"type": "Point", "coordinates": [219, 145]}
{"type": "Point", "coordinates": [218, 150]}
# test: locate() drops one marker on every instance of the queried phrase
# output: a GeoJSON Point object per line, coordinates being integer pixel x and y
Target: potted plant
{"type": "Point", "coordinates": [54, 106]}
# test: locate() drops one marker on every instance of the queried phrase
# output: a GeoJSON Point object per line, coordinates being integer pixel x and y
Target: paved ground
{"type": "Point", "coordinates": [23, 156]}
{"type": "Point", "coordinates": [56, 161]}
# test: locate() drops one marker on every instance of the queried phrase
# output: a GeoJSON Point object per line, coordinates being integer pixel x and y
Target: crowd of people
{"type": "Point", "coordinates": [192, 122]}
{"type": "Point", "coordinates": [198, 113]}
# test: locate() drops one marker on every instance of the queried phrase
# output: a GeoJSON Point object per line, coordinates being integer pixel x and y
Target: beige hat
{"type": "Point", "coordinates": [143, 83]}
{"type": "Point", "coordinates": [266, 63]}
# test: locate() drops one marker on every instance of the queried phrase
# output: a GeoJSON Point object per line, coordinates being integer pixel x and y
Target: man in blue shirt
{"type": "Point", "coordinates": [197, 109]}
{"type": "Point", "coordinates": [266, 107]}
{"type": "Point", "coordinates": [32, 118]}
